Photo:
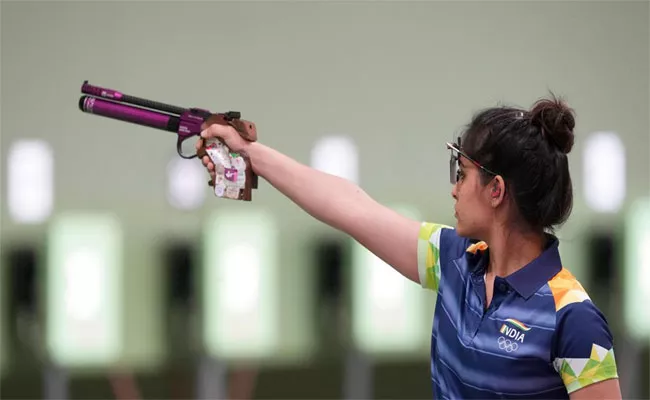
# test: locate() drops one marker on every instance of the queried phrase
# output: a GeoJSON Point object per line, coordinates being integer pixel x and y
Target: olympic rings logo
{"type": "Point", "coordinates": [507, 344]}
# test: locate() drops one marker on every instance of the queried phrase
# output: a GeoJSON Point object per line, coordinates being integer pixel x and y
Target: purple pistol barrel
{"type": "Point", "coordinates": [123, 112]}
{"type": "Point", "coordinates": [120, 97]}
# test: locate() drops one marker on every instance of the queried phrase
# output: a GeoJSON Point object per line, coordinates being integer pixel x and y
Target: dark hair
{"type": "Point", "coordinates": [529, 150]}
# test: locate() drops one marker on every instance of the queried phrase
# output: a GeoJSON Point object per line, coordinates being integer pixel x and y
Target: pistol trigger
{"type": "Point", "coordinates": [179, 150]}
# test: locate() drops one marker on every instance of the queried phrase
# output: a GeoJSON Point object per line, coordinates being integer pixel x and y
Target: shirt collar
{"type": "Point", "coordinates": [527, 280]}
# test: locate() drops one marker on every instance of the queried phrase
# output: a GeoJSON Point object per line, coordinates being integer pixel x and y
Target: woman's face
{"type": "Point", "coordinates": [473, 208]}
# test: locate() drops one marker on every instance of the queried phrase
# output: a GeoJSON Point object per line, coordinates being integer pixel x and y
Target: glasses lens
{"type": "Point", "coordinates": [453, 168]}
{"type": "Point", "coordinates": [456, 159]}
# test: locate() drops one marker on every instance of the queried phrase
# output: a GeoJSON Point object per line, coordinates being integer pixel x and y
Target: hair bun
{"type": "Point", "coordinates": [556, 121]}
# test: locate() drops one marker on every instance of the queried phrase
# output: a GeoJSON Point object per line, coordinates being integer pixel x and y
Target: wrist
{"type": "Point", "coordinates": [251, 151]}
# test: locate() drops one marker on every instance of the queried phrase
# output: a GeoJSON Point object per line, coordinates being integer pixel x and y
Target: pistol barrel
{"type": "Point", "coordinates": [116, 96]}
{"type": "Point", "coordinates": [123, 112]}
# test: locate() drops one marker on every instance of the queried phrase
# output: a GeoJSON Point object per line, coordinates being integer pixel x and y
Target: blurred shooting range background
{"type": "Point", "coordinates": [121, 274]}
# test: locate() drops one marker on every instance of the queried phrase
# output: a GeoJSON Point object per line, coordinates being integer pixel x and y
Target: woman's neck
{"type": "Point", "coordinates": [510, 251]}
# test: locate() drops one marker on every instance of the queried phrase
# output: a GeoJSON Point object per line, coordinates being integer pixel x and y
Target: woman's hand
{"type": "Point", "coordinates": [212, 130]}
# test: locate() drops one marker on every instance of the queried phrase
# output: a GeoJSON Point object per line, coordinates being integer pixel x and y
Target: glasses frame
{"type": "Point", "coordinates": [454, 162]}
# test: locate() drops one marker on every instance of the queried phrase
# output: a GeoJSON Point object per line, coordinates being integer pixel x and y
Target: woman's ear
{"type": "Point", "coordinates": [497, 191]}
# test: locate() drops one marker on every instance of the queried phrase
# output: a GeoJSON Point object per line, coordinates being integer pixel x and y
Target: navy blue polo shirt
{"type": "Point", "coordinates": [541, 336]}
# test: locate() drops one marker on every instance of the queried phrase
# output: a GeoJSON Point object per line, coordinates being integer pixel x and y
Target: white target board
{"type": "Point", "coordinates": [84, 271]}
{"type": "Point", "coordinates": [241, 285]}
{"type": "Point", "coordinates": [636, 294]}
{"type": "Point", "coordinates": [388, 310]}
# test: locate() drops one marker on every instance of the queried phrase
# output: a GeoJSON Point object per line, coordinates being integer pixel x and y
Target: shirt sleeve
{"type": "Point", "coordinates": [436, 242]}
{"type": "Point", "coordinates": [583, 349]}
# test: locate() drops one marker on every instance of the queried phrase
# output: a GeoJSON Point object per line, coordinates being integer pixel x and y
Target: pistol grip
{"type": "Point", "coordinates": [254, 183]}
{"type": "Point", "coordinates": [229, 168]}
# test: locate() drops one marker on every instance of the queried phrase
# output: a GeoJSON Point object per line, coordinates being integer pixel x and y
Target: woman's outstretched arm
{"type": "Point", "coordinates": [332, 200]}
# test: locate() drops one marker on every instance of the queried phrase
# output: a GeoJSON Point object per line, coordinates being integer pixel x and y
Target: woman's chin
{"type": "Point", "coordinates": [460, 228]}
